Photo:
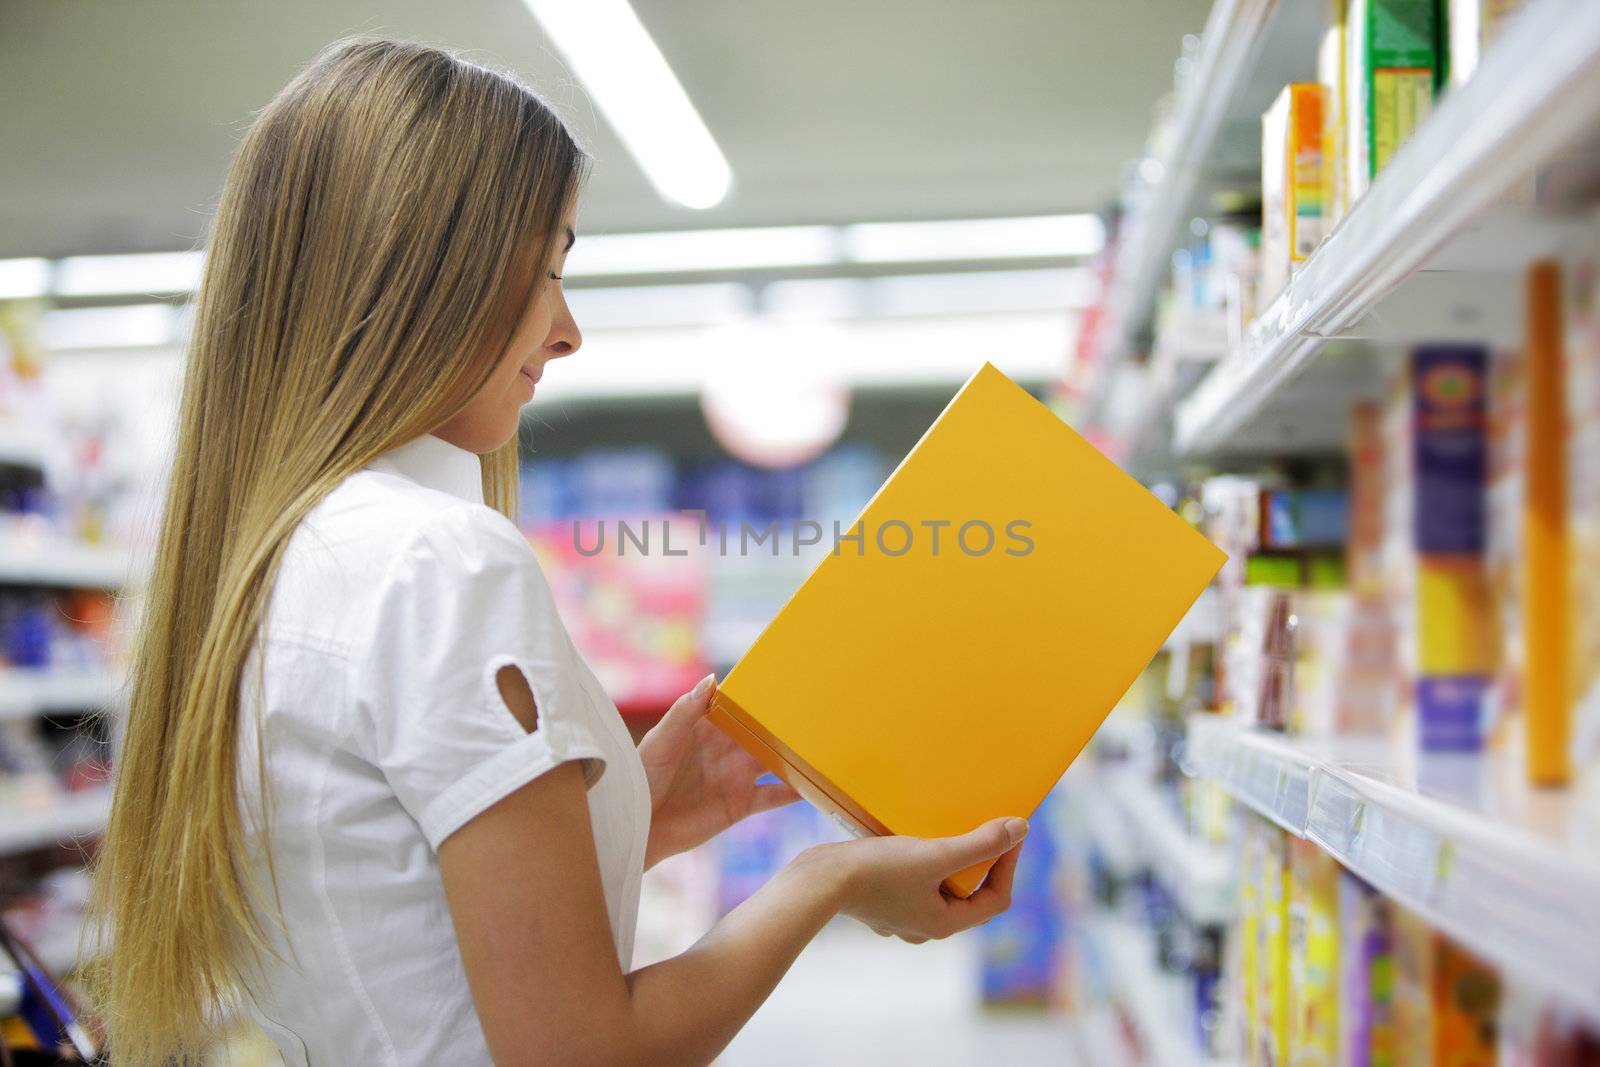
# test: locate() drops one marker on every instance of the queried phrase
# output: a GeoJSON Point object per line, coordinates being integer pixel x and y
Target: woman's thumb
{"type": "Point", "coordinates": [994, 838]}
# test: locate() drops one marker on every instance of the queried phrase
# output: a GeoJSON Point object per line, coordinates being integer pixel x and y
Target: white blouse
{"type": "Point", "coordinates": [399, 598]}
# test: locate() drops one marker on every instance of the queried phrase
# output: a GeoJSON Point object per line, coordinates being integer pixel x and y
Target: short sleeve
{"type": "Point", "coordinates": [465, 599]}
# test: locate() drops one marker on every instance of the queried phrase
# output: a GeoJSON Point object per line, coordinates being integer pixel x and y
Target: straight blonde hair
{"type": "Point", "coordinates": [387, 218]}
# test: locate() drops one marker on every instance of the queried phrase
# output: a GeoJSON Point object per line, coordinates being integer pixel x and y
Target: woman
{"type": "Point", "coordinates": [369, 791]}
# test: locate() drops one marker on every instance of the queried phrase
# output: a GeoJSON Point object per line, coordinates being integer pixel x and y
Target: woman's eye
{"type": "Point", "coordinates": [556, 276]}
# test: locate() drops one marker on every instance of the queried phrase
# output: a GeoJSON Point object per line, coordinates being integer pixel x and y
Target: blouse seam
{"type": "Point", "coordinates": [330, 910]}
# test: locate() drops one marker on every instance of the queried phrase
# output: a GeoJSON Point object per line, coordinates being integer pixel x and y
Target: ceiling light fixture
{"type": "Point", "coordinates": [676, 251]}
{"type": "Point", "coordinates": [957, 239]}
{"type": "Point", "coordinates": [22, 278]}
{"type": "Point", "coordinates": [630, 81]}
{"type": "Point", "coordinates": [124, 326]}
{"type": "Point", "coordinates": [156, 272]}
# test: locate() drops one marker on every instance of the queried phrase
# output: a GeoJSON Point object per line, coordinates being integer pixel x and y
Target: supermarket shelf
{"type": "Point", "coordinates": [1146, 997]}
{"type": "Point", "coordinates": [1249, 50]}
{"type": "Point", "coordinates": [74, 816]}
{"type": "Point", "coordinates": [31, 562]}
{"type": "Point", "coordinates": [24, 693]}
{"type": "Point", "coordinates": [21, 446]}
{"type": "Point", "coordinates": [1535, 95]}
{"type": "Point", "coordinates": [1512, 874]}
{"type": "Point", "coordinates": [58, 952]}
{"type": "Point", "coordinates": [1198, 876]}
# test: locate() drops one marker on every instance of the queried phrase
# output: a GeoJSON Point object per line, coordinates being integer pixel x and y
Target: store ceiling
{"type": "Point", "coordinates": [117, 118]}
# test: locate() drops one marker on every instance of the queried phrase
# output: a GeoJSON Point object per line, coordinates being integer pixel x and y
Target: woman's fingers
{"type": "Point", "coordinates": [689, 708]}
{"type": "Point", "coordinates": [992, 839]}
{"type": "Point", "coordinates": [772, 796]}
{"type": "Point", "coordinates": [994, 896]}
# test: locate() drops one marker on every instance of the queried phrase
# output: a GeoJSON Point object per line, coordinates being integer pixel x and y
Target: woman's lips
{"type": "Point", "coordinates": [531, 378]}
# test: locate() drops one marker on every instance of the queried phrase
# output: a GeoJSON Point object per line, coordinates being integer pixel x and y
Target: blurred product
{"type": "Point", "coordinates": [1392, 60]}
{"type": "Point", "coordinates": [1457, 639]}
{"type": "Point", "coordinates": [1366, 975]}
{"type": "Point", "coordinates": [1332, 76]}
{"type": "Point", "coordinates": [1583, 509]}
{"type": "Point", "coordinates": [1313, 955]}
{"type": "Point", "coordinates": [1547, 644]}
{"type": "Point", "coordinates": [1293, 208]}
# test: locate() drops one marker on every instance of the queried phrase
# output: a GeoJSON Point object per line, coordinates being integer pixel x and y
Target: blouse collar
{"type": "Point", "coordinates": [436, 463]}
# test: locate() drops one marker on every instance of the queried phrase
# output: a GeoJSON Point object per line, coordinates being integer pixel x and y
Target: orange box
{"type": "Point", "coordinates": [924, 684]}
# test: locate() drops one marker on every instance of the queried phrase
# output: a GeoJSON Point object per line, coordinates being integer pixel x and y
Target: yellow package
{"type": "Point", "coordinates": [961, 642]}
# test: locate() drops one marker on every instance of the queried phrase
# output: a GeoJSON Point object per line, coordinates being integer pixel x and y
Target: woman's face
{"type": "Point", "coordinates": [545, 332]}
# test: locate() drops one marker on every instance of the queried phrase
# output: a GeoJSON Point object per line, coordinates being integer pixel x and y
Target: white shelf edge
{"type": "Point", "coordinates": [64, 564]}
{"type": "Point", "coordinates": [1535, 91]}
{"type": "Point", "coordinates": [25, 693]}
{"type": "Point", "coordinates": [1521, 902]}
{"type": "Point", "coordinates": [1128, 950]}
{"type": "Point", "coordinates": [73, 816]}
{"type": "Point", "coordinates": [21, 446]}
{"type": "Point", "coordinates": [1197, 875]}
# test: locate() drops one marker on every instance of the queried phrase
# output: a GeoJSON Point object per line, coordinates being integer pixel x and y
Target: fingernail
{"type": "Point", "coordinates": [1016, 829]}
{"type": "Point", "coordinates": [704, 685]}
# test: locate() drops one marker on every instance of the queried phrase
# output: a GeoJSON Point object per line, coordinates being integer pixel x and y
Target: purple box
{"type": "Point", "coordinates": [1449, 390]}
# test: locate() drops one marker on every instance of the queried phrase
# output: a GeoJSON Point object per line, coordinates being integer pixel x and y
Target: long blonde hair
{"type": "Point", "coordinates": [387, 218]}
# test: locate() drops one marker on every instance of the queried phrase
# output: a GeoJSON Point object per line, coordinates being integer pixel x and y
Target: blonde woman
{"type": "Point", "coordinates": [370, 793]}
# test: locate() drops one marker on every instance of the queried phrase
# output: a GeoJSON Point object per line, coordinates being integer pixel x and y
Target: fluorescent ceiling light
{"type": "Point", "coordinates": [157, 272]}
{"type": "Point", "coordinates": [625, 74]}
{"type": "Point", "coordinates": [1011, 238]}
{"type": "Point", "coordinates": [128, 326]}
{"type": "Point", "coordinates": [690, 250]}
{"type": "Point", "coordinates": [659, 305]}
{"type": "Point", "coordinates": [906, 351]}
{"type": "Point", "coordinates": [964, 293]}
{"type": "Point", "coordinates": [20, 278]}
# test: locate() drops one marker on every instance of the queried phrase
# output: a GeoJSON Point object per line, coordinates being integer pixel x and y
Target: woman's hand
{"type": "Point", "coordinates": [892, 883]}
{"type": "Point", "coordinates": [701, 781]}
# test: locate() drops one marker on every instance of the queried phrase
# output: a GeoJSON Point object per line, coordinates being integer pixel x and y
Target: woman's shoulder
{"type": "Point", "coordinates": [376, 531]}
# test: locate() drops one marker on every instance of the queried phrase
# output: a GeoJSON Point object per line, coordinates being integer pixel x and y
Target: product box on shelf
{"type": "Point", "coordinates": [1274, 935]}
{"type": "Point", "coordinates": [1331, 74]}
{"type": "Point", "coordinates": [1250, 980]}
{"type": "Point", "coordinates": [1392, 64]}
{"type": "Point", "coordinates": [1313, 956]}
{"type": "Point", "coordinates": [1293, 211]}
{"type": "Point", "coordinates": [1583, 509]}
{"type": "Point", "coordinates": [1366, 975]}
{"type": "Point", "coordinates": [1466, 1008]}
{"type": "Point", "coordinates": [1504, 495]}
{"type": "Point", "coordinates": [1457, 636]}
{"type": "Point", "coordinates": [1547, 634]}
{"type": "Point", "coordinates": [1413, 941]}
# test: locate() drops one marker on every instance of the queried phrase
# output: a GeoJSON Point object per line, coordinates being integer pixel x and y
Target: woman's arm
{"type": "Point", "coordinates": [524, 886]}
{"type": "Point", "coordinates": [525, 894]}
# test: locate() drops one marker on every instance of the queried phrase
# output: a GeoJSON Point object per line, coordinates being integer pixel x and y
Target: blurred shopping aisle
{"type": "Point", "coordinates": [855, 999]}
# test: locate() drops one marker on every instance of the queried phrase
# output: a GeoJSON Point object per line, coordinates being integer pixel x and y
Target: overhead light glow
{"type": "Point", "coordinates": [156, 272]}
{"type": "Point", "coordinates": [692, 250]}
{"type": "Point", "coordinates": [629, 80]}
{"type": "Point", "coordinates": [21, 278]}
{"type": "Point", "coordinates": [629, 306]}
{"type": "Point", "coordinates": [1005, 238]}
{"type": "Point", "coordinates": [127, 326]}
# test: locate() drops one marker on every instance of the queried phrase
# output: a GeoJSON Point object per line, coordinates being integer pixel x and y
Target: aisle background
{"type": "Point", "coordinates": [1324, 275]}
{"type": "Point", "coordinates": [799, 292]}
